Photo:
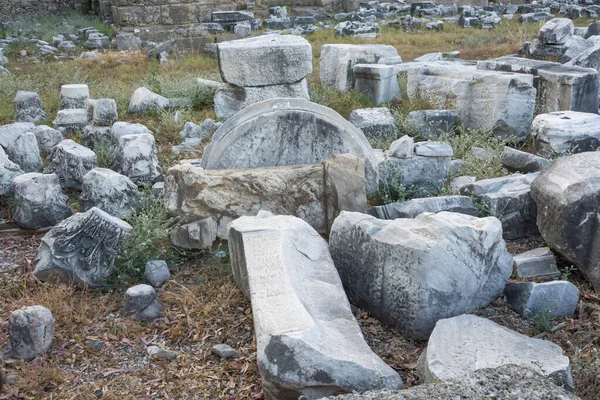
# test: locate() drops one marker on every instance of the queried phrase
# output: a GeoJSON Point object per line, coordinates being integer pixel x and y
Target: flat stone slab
{"type": "Point", "coordinates": [536, 264]}
{"type": "Point", "coordinates": [414, 207]}
{"type": "Point", "coordinates": [308, 341]}
{"type": "Point", "coordinates": [565, 131]}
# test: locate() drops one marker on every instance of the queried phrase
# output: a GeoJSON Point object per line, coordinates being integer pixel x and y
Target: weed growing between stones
{"type": "Point", "coordinates": [343, 103]}
{"type": "Point", "coordinates": [391, 189]}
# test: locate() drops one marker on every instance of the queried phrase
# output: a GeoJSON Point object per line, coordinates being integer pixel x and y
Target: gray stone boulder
{"type": "Point", "coordinates": [71, 161]}
{"type": "Point", "coordinates": [8, 133]}
{"type": "Point", "coordinates": [137, 159]}
{"type": "Point", "coordinates": [556, 31]}
{"type": "Point", "coordinates": [567, 194]}
{"type": "Point", "coordinates": [308, 342]}
{"type": "Point", "coordinates": [520, 161]}
{"type": "Point", "coordinates": [432, 123]}
{"type": "Point", "coordinates": [39, 201]}
{"type": "Point", "coordinates": [47, 137]}
{"type": "Point", "coordinates": [157, 272]}
{"type": "Point", "coordinates": [199, 234]}
{"type": "Point", "coordinates": [73, 96]}
{"type": "Point", "coordinates": [508, 198]}
{"type": "Point", "coordinates": [110, 191]}
{"type": "Point", "coordinates": [589, 58]}
{"type": "Point", "coordinates": [81, 250]}
{"type": "Point", "coordinates": [141, 302]}
{"type": "Point", "coordinates": [565, 131]}
{"type": "Point", "coordinates": [544, 300]}
{"type": "Point", "coordinates": [574, 47]}
{"type": "Point", "coordinates": [70, 121]}
{"type": "Point", "coordinates": [25, 152]}
{"type": "Point", "coordinates": [468, 343]}
{"type": "Point", "coordinates": [375, 123]}
{"type": "Point", "coordinates": [128, 128]}
{"type": "Point", "coordinates": [507, 382]}
{"type": "Point", "coordinates": [103, 112]}
{"type": "Point", "coordinates": [8, 172]}
{"type": "Point", "coordinates": [224, 351]}
{"type": "Point", "coordinates": [127, 41]}
{"type": "Point", "coordinates": [287, 132]}
{"type": "Point", "coordinates": [536, 264]}
{"type": "Point", "coordinates": [403, 147]}
{"type": "Point", "coordinates": [28, 107]}
{"type": "Point", "coordinates": [414, 207]}
{"type": "Point", "coordinates": [265, 60]}
{"type": "Point", "coordinates": [451, 263]}
{"type": "Point", "coordinates": [143, 100]}
{"type": "Point", "coordinates": [30, 330]}
{"type": "Point", "coordinates": [98, 138]}
{"type": "Point", "coordinates": [205, 130]}
{"type": "Point", "coordinates": [338, 60]}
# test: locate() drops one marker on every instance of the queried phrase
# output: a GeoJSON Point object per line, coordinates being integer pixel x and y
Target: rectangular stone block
{"type": "Point", "coordinates": [559, 87]}
{"type": "Point", "coordinates": [378, 82]}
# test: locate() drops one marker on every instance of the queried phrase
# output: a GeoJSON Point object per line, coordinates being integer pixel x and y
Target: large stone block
{"type": "Point", "coordinates": [467, 343]}
{"type": "Point", "coordinates": [559, 87]}
{"type": "Point", "coordinates": [82, 249]}
{"type": "Point", "coordinates": [379, 83]}
{"type": "Point", "coordinates": [308, 342]}
{"type": "Point", "coordinates": [8, 133]}
{"type": "Point", "coordinates": [25, 152]}
{"type": "Point", "coordinates": [109, 191]}
{"type": "Point", "coordinates": [410, 273]}
{"type": "Point", "coordinates": [338, 60]}
{"type": "Point", "coordinates": [567, 193]}
{"type": "Point", "coordinates": [508, 198]}
{"type": "Point", "coordinates": [316, 193]}
{"type": "Point", "coordinates": [39, 201]}
{"type": "Point", "coordinates": [71, 161]}
{"type": "Point", "coordinates": [556, 31]}
{"type": "Point", "coordinates": [265, 60]}
{"type": "Point", "coordinates": [8, 172]}
{"type": "Point", "coordinates": [287, 132]}
{"type": "Point", "coordinates": [543, 300]}
{"type": "Point", "coordinates": [31, 330]}
{"type": "Point", "coordinates": [137, 158]}
{"type": "Point", "coordinates": [28, 107]}
{"type": "Point", "coordinates": [565, 132]}
{"type": "Point", "coordinates": [73, 96]}
{"type": "Point", "coordinates": [498, 101]}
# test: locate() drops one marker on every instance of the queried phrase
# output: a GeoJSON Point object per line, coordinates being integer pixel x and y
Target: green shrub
{"type": "Point", "coordinates": [391, 189]}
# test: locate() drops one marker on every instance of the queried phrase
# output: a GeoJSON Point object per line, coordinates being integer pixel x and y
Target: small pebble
{"type": "Point", "coordinates": [224, 351]}
{"type": "Point", "coordinates": [158, 352]}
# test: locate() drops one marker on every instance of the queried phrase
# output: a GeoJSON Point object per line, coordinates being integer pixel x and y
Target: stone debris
{"type": "Point", "coordinates": [520, 161]}
{"type": "Point", "coordinates": [199, 234]}
{"type": "Point", "coordinates": [465, 258]}
{"type": "Point", "coordinates": [141, 302]}
{"type": "Point", "coordinates": [47, 137]}
{"type": "Point", "coordinates": [8, 172]}
{"type": "Point", "coordinates": [375, 123]}
{"type": "Point", "coordinates": [70, 121]}
{"type": "Point", "coordinates": [81, 250]}
{"type": "Point", "coordinates": [536, 264]}
{"type": "Point", "coordinates": [224, 351]}
{"type": "Point", "coordinates": [39, 201]}
{"type": "Point", "coordinates": [137, 158]}
{"type": "Point", "coordinates": [157, 272]}
{"type": "Point", "coordinates": [160, 353]}
{"type": "Point", "coordinates": [28, 107]}
{"type": "Point", "coordinates": [24, 151]}
{"type": "Point", "coordinates": [143, 100]}
{"type": "Point", "coordinates": [71, 162]}
{"type": "Point", "coordinates": [543, 300]}
{"type": "Point", "coordinates": [73, 96]}
{"type": "Point", "coordinates": [30, 330]}
{"type": "Point", "coordinates": [307, 344]}
{"type": "Point", "coordinates": [431, 124]}
{"type": "Point", "coordinates": [415, 207]}
{"type": "Point", "coordinates": [110, 191]}
{"type": "Point", "coordinates": [468, 343]}
{"type": "Point", "coordinates": [565, 132]}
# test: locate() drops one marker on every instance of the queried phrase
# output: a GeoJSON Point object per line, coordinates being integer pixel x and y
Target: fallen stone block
{"type": "Point", "coordinates": [432, 123]}
{"type": "Point", "coordinates": [47, 137]}
{"type": "Point", "coordinates": [142, 303]}
{"type": "Point", "coordinates": [198, 235]}
{"type": "Point", "coordinates": [70, 121]}
{"type": "Point", "coordinates": [9, 133]}
{"type": "Point", "coordinates": [24, 151]}
{"type": "Point", "coordinates": [31, 330]}
{"type": "Point", "coordinates": [143, 100]}
{"type": "Point", "coordinates": [28, 107]}
{"type": "Point", "coordinates": [536, 264]}
{"type": "Point", "coordinates": [308, 341]}
{"type": "Point", "coordinates": [157, 272]}
{"type": "Point", "coordinates": [543, 300]}
{"type": "Point", "coordinates": [110, 191]}
{"type": "Point", "coordinates": [468, 343]}
{"type": "Point", "coordinates": [375, 123]}
{"type": "Point", "coordinates": [414, 207]}
{"type": "Point", "coordinates": [137, 158]}
{"type": "Point", "coordinates": [8, 172]}
{"type": "Point", "coordinates": [520, 161]}
{"type": "Point", "coordinates": [71, 161]}
{"type": "Point", "coordinates": [378, 82]}
{"type": "Point", "coordinates": [451, 263]}
{"type": "Point", "coordinates": [73, 96]}
{"type": "Point", "coordinates": [565, 131]}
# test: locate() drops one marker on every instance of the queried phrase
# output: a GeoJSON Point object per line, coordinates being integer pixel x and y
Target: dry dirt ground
{"type": "Point", "coordinates": [97, 353]}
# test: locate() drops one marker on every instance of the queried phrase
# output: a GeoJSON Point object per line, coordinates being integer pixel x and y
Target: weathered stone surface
{"type": "Point", "coordinates": [378, 82]}
{"type": "Point", "coordinates": [39, 201]}
{"type": "Point", "coordinates": [308, 341]}
{"type": "Point", "coordinates": [231, 99]}
{"type": "Point", "coordinates": [507, 382]}
{"type": "Point", "coordinates": [508, 198]}
{"type": "Point", "coordinates": [556, 31]}
{"type": "Point", "coordinates": [287, 132]}
{"type": "Point", "coordinates": [559, 87]}
{"type": "Point", "coordinates": [71, 161]}
{"type": "Point", "coordinates": [567, 194]}
{"type": "Point", "coordinates": [82, 249]}
{"type": "Point", "coordinates": [142, 303]}
{"type": "Point", "coordinates": [127, 128]}
{"type": "Point", "coordinates": [467, 343]}
{"type": "Point", "coordinates": [28, 107]}
{"type": "Point", "coordinates": [73, 96]}
{"type": "Point", "coordinates": [137, 158]}
{"type": "Point", "coordinates": [8, 172]}
{"type": "Point", "coordinates": [70, 121]}
{"type": "Point", "coordinates": [110, 191]}
{"type": "Point", "coordinates": [157, 272]}
{"type": "Point", "coordinates": [104, 112]}
{"type": "Point", "coordinates": [589, 58]}
{"type": "Point", "coordinates": [98, 138]}
{"type": "Point", "coordinates": [47, 137]}
{"type": "Point", "coordinates": [536, 264]}
{"type": "Point", "coordinates": [316, 193]}
{"type": "Point", "coordinates": [143, 100]}
{"type": "Point", "coordinates": [451, 263]}
{"type": "Point", "coordinates": [575, 46]}
{"type": "Point", "coordinates": [265, 60]}
{"type": "Point", "coordinates": [546, 300]}
{"type": "Point", "coordinates": [565, 131]}
{"type": "Point", "coordinates": [432, 123]}
{"type": "Point", "coordinates": [433, 149]}
{"type": "Point", "coordinates": [414, 207]}
{"type": "Point", "coordinates": [520, 161]}
{"type": "Point", "coordinates": [338, 60]}
{"type": "Point", "coordinates": [127, 41]}
{"type": "Point", "coordinates": [25, 152]}
{"type": "Point", "coordinates": [375, 123]}
{"type": "Point", "coordinates": [403, 147]}
{"type": "Point", "coordinates": [501, 102]}
{"type": "Point", "coordinates": [8, 133]}
{"type": "Point", "coordinates": [223, 351]}
{"type": "Point", "coordinates": [204, 130]}
{"type": "Point", "coordinates": [31, 330]}
{"type": "Point", "coordinates": [160, 353]}
{"type": "Point", "coordinates": [198, 235]}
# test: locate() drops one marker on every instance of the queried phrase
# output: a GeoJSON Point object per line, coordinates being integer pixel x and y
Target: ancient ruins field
{"type": "Point", "coordinates": [395, 200]}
